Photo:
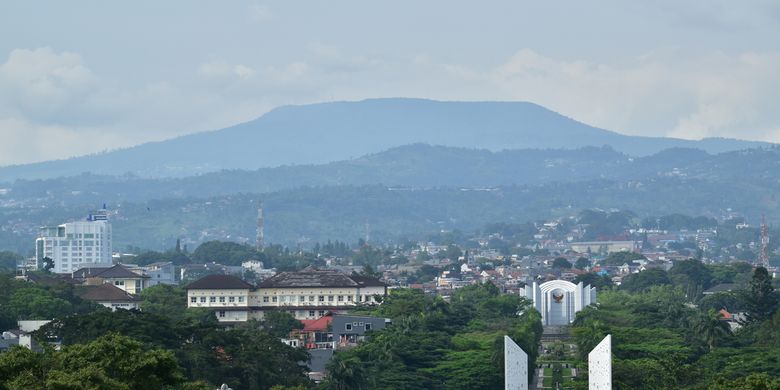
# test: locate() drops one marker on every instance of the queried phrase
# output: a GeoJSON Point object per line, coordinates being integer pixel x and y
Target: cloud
{"type": "Point", "coordinates": [51, 87]}
{"type": "Point", "coordinates": [53, 105]}
{"type": "Point", "coordinates": [25, 142]}
{"type": "Point", "coordinates": [259, 13]}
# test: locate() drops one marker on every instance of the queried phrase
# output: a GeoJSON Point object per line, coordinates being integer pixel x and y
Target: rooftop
{"type": "Point", "coordinates": [219, 282]}
{"type": "Point", "coordinates": [116, 271]}
{"type": "Point", "coordinates": [104, 292]}
{"type": "Point", "coordinates": [310, 278]}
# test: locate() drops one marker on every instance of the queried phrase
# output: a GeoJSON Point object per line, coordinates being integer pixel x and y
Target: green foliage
{"type": "Point", "coordinates": [433, 344]}
{"type": "Point", "coordinates": [620, 258]}
{"type": "Point", "coordinates": [601, 282]}
{"type": "Point", "coordinates": [644, 280]}
{"type": "Point", "coordinates": [561, 263]}
{"type": "Point", "coordinates": [761, 299]}
{"type": "Point", "coordinates": [8, 260]}
{"type": "Point", "coordinates": [279, 323]}
{"type": "Point", "coordinates": [31, 303]}
{"type": "Point", "coordinates": [110, 361]}
{"type": "Point", "coordinates": [582, 263]}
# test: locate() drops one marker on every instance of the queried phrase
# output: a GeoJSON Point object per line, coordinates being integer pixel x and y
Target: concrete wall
{"type": "Point", "coordinates": [600, 365]}
{"type": "Point", "coordinates": [515, 366]}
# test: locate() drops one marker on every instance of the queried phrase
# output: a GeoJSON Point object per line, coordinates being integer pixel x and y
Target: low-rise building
{"type": "Point", "coordinates": [307, 294]}
{"type": "Point", "coordinates": [108, 295]}
{"type": "Point", "coordinates": [118, 275]}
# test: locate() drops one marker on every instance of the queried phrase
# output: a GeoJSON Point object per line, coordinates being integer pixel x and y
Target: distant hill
{"type": "Point", "coordinates": [327, 132]}
{"type": "Point", "coordinates": [415, 166]}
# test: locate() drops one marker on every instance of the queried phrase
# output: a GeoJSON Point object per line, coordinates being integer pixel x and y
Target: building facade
{"type": "Point", "coordinates": [307, 294]}
{"type": "Point", "coordinates": [75, 245]}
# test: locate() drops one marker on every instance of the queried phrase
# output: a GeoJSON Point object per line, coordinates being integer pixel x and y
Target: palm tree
{"type": "Point", "coordinates": [710, 327]}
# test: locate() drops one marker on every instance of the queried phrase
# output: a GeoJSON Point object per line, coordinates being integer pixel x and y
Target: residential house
{"type": "Point", "coordinates": [108, 295]}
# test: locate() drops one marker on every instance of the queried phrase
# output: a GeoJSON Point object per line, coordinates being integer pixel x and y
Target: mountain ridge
{"type": "Point", "coordinates": [326, 132]}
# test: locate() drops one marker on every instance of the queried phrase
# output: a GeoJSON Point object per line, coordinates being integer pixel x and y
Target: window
{"type": "Point", "coordinates": [330, 298]}
{"type": "Point", "coordinates": [212, 299]}
{"type": "Point", "coordinates": [231, 299]}
{"type": "Point", "coordinates": [275, 299]}
{"type": "Point", "coordinates": [241, 299]}
{"type": "Point", "coordinates": [203, 299]}
{"type": "Point", "coordinates": [360, 323]}
{"type": "Point", "coordinates": [311, 313]}
{"type": "Point", "coordinates": [265, 299]}
{"type": "Point", "coordinates": [368, 326]}
{"type": "Point", "coordinates": [322, 313]}
{"type": "Point", "coordinates": [221, 299]}
{"type": "Point", "coordinates": [221, 314]}
{"type": "Point", "coordinates": [193, 299]}
{"type": "Point", "coordinates": [311, 298]}
{"type": "Point", "coordinates": [360, 298]}
{"type": "Point", "coordinates": [322, 298]}
{"type": "Point", "coordinates": [341, 298]}
{"type": "Point", "coordinates": [347, 326]}
{"type": "Point", "coordinates": [283, 298]}
{"type": "Point", "coordinates": [302, 298]}
{"type": "Point", "coordinates": [349, 298]}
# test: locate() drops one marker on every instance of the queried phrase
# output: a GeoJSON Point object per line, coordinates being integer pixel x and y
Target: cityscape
{"type": "Point", "coordinates": [438, 195]}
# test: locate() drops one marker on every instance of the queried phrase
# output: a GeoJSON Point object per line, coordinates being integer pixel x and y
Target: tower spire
{"type": "Point", "coordinates": [260, 241]}
{"type": "Point", "coordinates": [764, 258]}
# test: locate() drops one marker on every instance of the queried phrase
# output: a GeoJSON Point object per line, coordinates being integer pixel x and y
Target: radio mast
{"type": "Point", "coordinates": [260, 241]}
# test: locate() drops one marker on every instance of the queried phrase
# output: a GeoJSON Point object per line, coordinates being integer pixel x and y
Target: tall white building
{"type": "Point", "coordinates": [75, 245]}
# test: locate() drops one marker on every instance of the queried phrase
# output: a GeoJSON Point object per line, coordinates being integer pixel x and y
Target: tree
{"type": "Point", "coordinates": [594, 280]}
{"type": "Point", "coordinates": [582, 263]}
{"type": "Point", "coordinates": [711, 328]}
{"type": "Point", "coordinates": [641, 281]}
{"type": "Point", "coordinates": [620, 258]}
{"type": "Point", "coordinates": [108, 362]}
{"type": "Point", "coordinates": [8, 260]}
{"type": "Point", "coordinates": [279, 323]}
{"type": "Point", "coordinates": [32, 303]}
{"type": "Point", "coordinates": [345, 374]}
{"type": "Point", "coordinates": [561, 263]}
{"type": "Point", "coordinates": [48, 264]}
{"type": "Point", "coordinates": [761, 300]}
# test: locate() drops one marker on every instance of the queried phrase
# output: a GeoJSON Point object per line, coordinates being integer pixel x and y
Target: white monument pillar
{"type": "Point", "coordinates": [515, 366]}
{"type": "Point", "coordinates": [600, 365]}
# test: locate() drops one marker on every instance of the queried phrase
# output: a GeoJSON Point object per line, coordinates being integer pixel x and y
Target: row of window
{"type": "Point", "coordinates": [311, 298]}
{"type": "Point", "coordinates": [212, 299]}
{"type": "Point", "coordinates": [350, 326]}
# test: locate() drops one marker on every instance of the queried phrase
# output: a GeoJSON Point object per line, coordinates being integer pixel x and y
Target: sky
{"type": "Point", "coordinates": [82, 77]}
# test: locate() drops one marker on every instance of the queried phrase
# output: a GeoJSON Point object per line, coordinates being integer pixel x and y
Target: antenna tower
{"type": "Point", "coordinates": [764, 258]}
{"type": "Point", "coordinates": [260, 241]}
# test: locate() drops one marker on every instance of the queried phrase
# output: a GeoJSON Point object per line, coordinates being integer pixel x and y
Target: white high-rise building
{"type": "Point", "coordinates": [75, 245]}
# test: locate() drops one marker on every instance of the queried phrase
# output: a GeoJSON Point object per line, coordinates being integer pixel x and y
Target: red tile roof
{"type": "Point", "coordinates": [318, 325]}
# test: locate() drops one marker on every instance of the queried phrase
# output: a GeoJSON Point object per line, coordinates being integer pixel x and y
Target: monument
{"type": "Point", "coordinates": [515, 366]}
{"type": "Point", "coordinates": [600, 365]}
{"type": "Point", "coordinates": [558, 300]}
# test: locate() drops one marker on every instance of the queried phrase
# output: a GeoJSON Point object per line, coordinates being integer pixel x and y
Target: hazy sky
{"type": "Point", "coordinates": [84, 76]}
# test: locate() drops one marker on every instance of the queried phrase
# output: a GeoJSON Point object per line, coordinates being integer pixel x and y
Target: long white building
{"type": "Point", "coordinates": [306, 294]}
{"type": "Point", "coordinates": [75, 245]}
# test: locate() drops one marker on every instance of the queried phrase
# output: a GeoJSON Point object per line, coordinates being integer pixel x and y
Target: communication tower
{"type": "Point", "coordinates": [260, 241]}
{"type": "Point", "coordinates": [764, 258]}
